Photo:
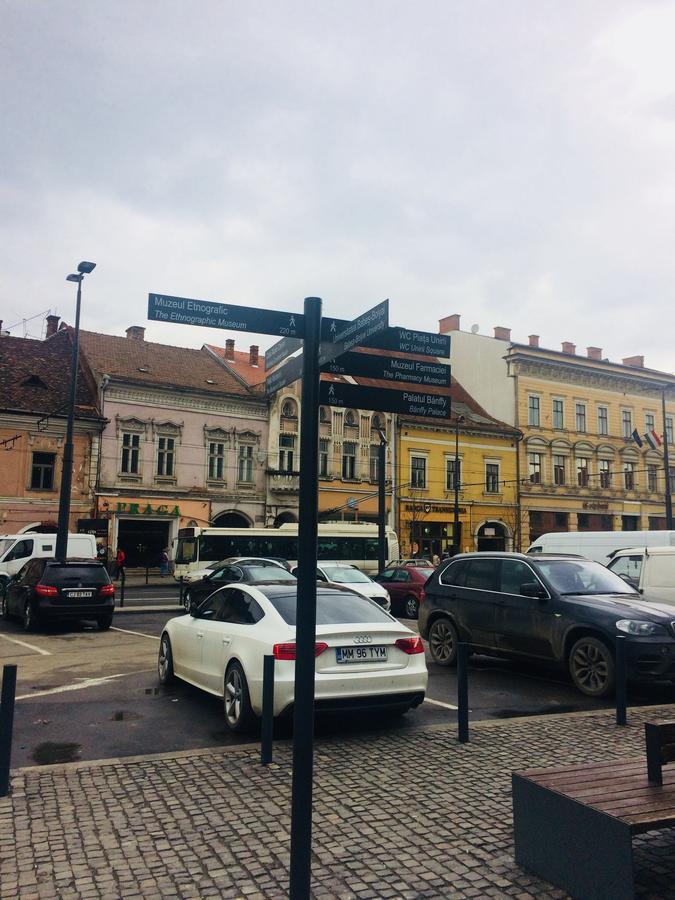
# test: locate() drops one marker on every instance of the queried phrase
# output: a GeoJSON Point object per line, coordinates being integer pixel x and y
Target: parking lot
{"type": "Point", "coordinates": [83, 694]}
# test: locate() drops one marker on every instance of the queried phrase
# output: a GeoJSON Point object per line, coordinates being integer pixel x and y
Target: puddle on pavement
{"type": "Point", "coordinates": [48, 753]}
{"type": "Point", "coordinates": [125, 715]}
{"type": "Point", "coordinates": [541, 711]}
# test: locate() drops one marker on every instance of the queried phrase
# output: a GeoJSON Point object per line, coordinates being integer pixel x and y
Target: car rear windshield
{"type": "Point", "coordinates": [333, 608]}
{"type": "Point", "coordinates": [75, 575]}
{"type": "Point", "coordinates": [269, 573]}
{"type": "Point", "coordinates": [344, 575]}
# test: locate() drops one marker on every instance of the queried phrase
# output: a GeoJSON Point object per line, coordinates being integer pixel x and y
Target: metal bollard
{"type": "Point", "coordinates": [180, 591]}
{"type": "Point", "coordinates": [147, 575]}
{"type": "Point", "coordinates": [267, 729]}
{"type": "Point", "coordinates": [6, 722]}
{"type": "Point", "coordinates": [122, 580]}
{"type": "Point", "coordinates": [463, 693]}
{"type": "Point", "coordinates": [621, 680]}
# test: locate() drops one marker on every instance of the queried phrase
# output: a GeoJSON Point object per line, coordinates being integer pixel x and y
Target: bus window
{"type": "Point", "coordinates": [186, 551]}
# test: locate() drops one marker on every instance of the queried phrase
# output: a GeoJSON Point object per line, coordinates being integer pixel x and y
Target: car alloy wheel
{"type": "Point", "coordinates": [165, 661]}
{"type": "Point", "coordinates": [186, 599]}
{"type": "Point", "coordinates": [412, 607]}
{"type": "Point", "coordinates": [443, 642]}
{"type": "Point", "coordinates": [591, 666]}
{"type": "Point", "coordinates": [28, 616]}
{"type": "Point", "coordinates": [4, 609]}
{"type": "Point", "coordinates": [238, 713]}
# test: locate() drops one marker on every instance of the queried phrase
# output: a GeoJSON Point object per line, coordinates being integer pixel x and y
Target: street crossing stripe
{"type": "Point", "coordinates": [153, 637]}
{"type": "Point", "coordinates": [440, 703]}
{"type": "Point", "coordinates": [24, 644]}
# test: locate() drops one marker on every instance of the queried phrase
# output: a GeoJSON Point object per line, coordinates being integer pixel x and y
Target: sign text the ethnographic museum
{"type": "Point", "coordinates": [210, 314]}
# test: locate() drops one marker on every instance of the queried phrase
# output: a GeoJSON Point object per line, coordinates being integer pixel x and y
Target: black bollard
{"type": "Point", "coordinates": [6, 722]}
{"type": "Point", "coordinates": [122, 580]}
{"type": "Point", "coordinates": [621, 680]}
{"type": "Point", "coordinates": [180, 591]}
{"type": "Point", "coordinates": [267, 728]}
{"type": "Point", "coordinates": [463, 693]}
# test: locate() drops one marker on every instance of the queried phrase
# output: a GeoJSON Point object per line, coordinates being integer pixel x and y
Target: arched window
{"type": "Point", "coordinates": [376, 423]}
{"type": "Point", "coordinates": [289, 409]}
{"type": "Point", "coordinates": [351, 418]}
{"type": "Point", "coordinates": [324, 414]}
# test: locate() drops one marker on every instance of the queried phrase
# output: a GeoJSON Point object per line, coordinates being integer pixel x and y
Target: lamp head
{"type": "Point", "coordinates": [76, 278]}
{"type": "Point", "coordinates": [86, 268]}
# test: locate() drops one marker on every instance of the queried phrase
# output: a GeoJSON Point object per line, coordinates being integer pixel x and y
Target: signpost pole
{"type": "Point", "coordinates": [305, 637]}
{"type": "Point", "coordinates": [381, 512]}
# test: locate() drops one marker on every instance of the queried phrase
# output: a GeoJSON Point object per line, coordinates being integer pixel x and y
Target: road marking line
{"type": "Point", "coordinates": [439, 703]}
{"type": "Point", "coordinates": [139, 633]}
{"type": "Point", "coordinates": [85, 683]}
{"type": "Point", "coordinates": [24, 644]}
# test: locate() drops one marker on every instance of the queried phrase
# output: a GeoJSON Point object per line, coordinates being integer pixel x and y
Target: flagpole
{"type": "Point", "coordinates": [666, 465]}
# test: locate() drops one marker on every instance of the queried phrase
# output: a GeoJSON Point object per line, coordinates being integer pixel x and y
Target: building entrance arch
{"type": "Point", "coordinates": [492, 535]}
{"type": "Point", "coordinates": [231, 520]}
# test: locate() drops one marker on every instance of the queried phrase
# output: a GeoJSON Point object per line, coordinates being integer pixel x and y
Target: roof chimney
{"type": "Point", "coordinates": [449, 323]}
{"type": "Point", "coordinates": [502, 334]}
{"type": "Point", "coordinates": [534, 340]}
{"type": "Point", "coordinates": [229, 349]}
{"type": "Point", "coordinates": [136, 333]}
{"type": "Point", "coordinates": [569, 348]}
{"type": "Point", "coordinates": [594, 352]}
{"type": "Point", "coordinates": [637, 361]}
{"type": "Point", "coordinates": [52, 325]}
{"type": "Point", "coordinates": [253, 355]}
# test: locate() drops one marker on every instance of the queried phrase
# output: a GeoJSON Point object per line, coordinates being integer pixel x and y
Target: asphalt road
{"type": "Point", "coordinates": [86, 694]}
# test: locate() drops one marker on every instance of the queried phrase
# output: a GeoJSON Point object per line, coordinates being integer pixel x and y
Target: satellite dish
{"type": "Point", "coordinates": [474, 329]}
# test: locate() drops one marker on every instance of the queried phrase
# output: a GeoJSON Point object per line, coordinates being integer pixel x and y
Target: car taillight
{"type": "Point", "coordinates": [107, 590]}
{"type": "Point", "coordinates": [46, 590]}
{"type": "Point", "coordinates": [287, 651]}
{"type": "Point", "coordinates": [410, 645]}
{"type": "Point", "coordinates": [422, 596]}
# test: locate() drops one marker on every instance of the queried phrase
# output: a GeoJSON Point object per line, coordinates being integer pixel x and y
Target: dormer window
{"type": "Point", "coordinates": [33, 381]}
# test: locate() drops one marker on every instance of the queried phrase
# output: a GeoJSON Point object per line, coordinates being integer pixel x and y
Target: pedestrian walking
{"type": "Point", "coordinates": [120, 561]}
{"type": "Point", "coordinates": [163, 563]}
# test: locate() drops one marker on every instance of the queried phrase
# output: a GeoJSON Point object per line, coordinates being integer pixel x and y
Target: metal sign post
{"type": "Point", "coordinates": [305, 633]}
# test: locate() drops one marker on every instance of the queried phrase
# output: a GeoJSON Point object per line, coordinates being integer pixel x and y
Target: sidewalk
{"type": "Point", "coordinates": [412, 815]}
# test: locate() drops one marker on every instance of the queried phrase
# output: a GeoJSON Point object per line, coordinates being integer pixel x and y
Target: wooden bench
{"type": "Point", "coordinates": [574, 825]}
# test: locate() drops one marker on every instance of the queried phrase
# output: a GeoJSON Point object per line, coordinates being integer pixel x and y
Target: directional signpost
{"type": "Point", "coordinates": [325, 343]}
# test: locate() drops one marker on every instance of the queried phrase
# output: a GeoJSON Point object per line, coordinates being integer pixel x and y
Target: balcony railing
{"type": "Point", "coordinates": [282, 481]}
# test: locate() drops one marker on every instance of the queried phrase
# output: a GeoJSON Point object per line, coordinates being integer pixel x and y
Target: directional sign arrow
{"type": "Point", "coordinates": [354, 333]}
{"type": "Point", "coordinates": [390, 368]}
{"type": "Point", "coordinates": [186, 311]}
{"type": "Point", "coordinates": [409, 402]}
{"type": "Point", "coordinates": [286, 374]}
{"type": "Point", "coordinates": [279, 351]}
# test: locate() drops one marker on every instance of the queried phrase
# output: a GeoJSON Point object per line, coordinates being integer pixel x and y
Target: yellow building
{"type": "Point", "coordinates": [579, 466]}
{"type": "Point", "coordinates": [426, 453]}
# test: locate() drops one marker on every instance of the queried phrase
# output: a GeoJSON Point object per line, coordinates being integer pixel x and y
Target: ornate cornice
{"type": "Point", "coordinates": [158, 399]}
{"type": "Point", "coordinates": [579, 374]}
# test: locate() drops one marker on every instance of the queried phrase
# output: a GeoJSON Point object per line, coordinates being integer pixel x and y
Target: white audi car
{"type": "Point", "coordinates": [365, 659]}
{"type": "Point", "coordinates": [352, 577]}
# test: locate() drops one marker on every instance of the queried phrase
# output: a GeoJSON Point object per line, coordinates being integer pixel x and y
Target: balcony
{"type": "Point", "coordinates": [282, 482]}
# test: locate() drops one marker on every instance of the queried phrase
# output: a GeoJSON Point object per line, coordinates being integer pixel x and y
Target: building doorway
{"type": "Point", "coordinates": [142, 541]}
{"type": "Point", "coordinates": [231, 520]}
{"type": "Point", "coordinates": [491, 536]}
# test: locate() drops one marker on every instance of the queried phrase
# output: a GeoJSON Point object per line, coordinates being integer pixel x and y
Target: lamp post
{"type": "Point", "coordinates": [381, 536]}
{"type": "Point", "coordinates": [455, 528]}
{"type": "Point", "coordinates": [84, 268]}
{"type": "Point", "coordinates": [666, 465]}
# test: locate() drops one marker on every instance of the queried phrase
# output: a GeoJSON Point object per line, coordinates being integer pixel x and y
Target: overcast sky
{"type": "Point", "coordinates": [511, 162]}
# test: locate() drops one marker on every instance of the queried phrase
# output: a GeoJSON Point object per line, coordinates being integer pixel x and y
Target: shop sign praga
{"type": "Point", "coordinates": [138, 509]}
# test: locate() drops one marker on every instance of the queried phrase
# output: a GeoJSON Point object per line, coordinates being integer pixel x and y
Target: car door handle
{"type": "Point", "coordinates": [227, 641]}
{"type": "Point", "coordinates": [200, 634]}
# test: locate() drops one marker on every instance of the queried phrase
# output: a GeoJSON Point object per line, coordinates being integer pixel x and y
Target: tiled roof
{"type": "Point", "coordinates": [241, 364]}
{"type": "Point", "coordinates": [35, 377]}
{"type": "Point", "coordinates": [144, 362]}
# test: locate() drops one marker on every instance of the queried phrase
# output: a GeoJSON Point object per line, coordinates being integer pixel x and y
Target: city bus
{"type": "Point", "coordinates": [356, 544]}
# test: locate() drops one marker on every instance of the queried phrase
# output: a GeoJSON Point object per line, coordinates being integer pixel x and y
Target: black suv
{"type": "Point", "coordinates": [563, 609]}
{"type": "Point", "coordinates": [46, 589]}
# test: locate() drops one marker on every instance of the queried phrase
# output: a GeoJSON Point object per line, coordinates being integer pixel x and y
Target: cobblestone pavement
{"type": "Point", "coordinates": [409, 815]}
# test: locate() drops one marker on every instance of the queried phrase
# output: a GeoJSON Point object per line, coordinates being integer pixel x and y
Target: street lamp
{"type": "Point", "coordinates": [381, 536]}
{"type": "Point", "coordinates": [455, 529]}
{"type": "Point", "coordinates": [84, 268]}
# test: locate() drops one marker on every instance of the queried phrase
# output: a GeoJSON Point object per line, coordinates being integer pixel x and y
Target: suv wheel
{"type": "Point", "coordinates": [104, 622]}
{"type": "Point", "coordinates": [29, 616]}
{"type": "Point", "coordinates": [239, 715]}
{"type": "Point", "coordinates": [591, 665]}
{"type": "Point", "coordinates": [443, 642]}
{"type": "Point", "coordinates": [412, 607]}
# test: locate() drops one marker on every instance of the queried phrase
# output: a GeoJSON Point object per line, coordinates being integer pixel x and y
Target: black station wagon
{"type": "Point", "coordinates": [555, 608]}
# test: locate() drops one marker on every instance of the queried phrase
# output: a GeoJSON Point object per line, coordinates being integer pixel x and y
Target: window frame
{"type": "Point", "coordinates": [132, 449]}
{"type": "Point", "coordinates": [415, 469]}
{"type": "Point", "coordinates": [580, 417]}
{"type": "Point", "coordinates": [555, 413]}
{"type": "Point", "coordinates": [489, 476]}
{"type": "Point", "coordinates": [603, 420]}
{"type": "Point", "coordinates": [166, 456]}
{"type": "Point", "coordinates": [42, 469]}
{"type": "Point", "coordinates": [534, 410]}
{"type": "Point", "coordinates": [348, 465]}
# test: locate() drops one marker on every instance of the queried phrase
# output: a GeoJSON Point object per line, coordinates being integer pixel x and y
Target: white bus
{"type": "Point", "coordinates": [196, 548]}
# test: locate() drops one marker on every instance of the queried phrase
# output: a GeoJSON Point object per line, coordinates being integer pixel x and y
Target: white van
{"type": "Point", "coordinates": [17, 549]}
{"type": "Point", "coordinates": [651, 570]}
{"type": "Point", "coordinates": [599, 545]}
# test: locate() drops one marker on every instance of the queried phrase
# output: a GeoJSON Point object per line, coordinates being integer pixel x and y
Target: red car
{"type": "Point", "coordinates": [406, 587]}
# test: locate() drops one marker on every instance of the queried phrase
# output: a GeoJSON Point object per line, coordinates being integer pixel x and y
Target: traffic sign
{"type": "Point", "coordinates": [279, 351]}
{"type": "Point", "coordinates": [396, 340]}
{"type": "Point", "coordinates": [390, 368]}
{"type": "Point", "coordinates": [408, 402]}
{"type": "Point", "coordinates": [353, 333]}
{"type": "Point", "coordinates": [208, 313]}
{"type": "Point", "coordinates": [286, 374]}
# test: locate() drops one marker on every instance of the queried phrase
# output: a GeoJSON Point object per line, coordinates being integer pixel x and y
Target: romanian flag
{"type": "Point", "coordinates": [653, 440]}
{"type": "Point", "coordinates": [636, 437]}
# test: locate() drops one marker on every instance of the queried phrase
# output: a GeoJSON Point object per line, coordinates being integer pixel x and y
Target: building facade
{"type": "Point", "coordinates": [184, 443]}
{"type": "Point", "coordinates": [34, 398]}
{"type": "Point", "coordinates": [579, 466]}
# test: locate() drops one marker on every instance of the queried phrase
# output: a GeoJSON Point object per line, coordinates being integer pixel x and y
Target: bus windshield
{"type": "Point", "coordinates": [186, 551]}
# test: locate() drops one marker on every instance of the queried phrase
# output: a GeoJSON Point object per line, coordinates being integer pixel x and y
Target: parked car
{"type": "Point", "coordinates": [47, 590]}
{"type": "Point", "coordinates": [365, 659]}
{"type": "Point", "coordinates": [560, 609]}
{"type": "Point", "coordinates": [235, 570]}
{"type": "Point", "coordinates": [18, 549]}
{"type": "Point", "coordinates": [406, 586]}
{"type": "Point", "coordinates": [650, 570]}
{"type": "Point", "coordinates": [352, 577]}
{"type": "Point", "coordinates": [198, 574]}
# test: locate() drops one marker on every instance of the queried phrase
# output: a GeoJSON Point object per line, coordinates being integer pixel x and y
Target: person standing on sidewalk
{"type": "Point", "coordinates": [120, 560]}
{"type": "Point", "coordinates": [163, 563]}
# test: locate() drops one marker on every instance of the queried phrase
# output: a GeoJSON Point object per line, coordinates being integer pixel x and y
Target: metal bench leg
{"type": "Point", "coordinates": [583, 851]}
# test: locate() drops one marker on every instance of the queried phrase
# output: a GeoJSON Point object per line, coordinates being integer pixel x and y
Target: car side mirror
{"type": "Point", "coordinates": [533, 589]}
{"type": "Point", "coordinates": [194, 609]}
{"type": "Point", "coordinates": [320, 577]}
